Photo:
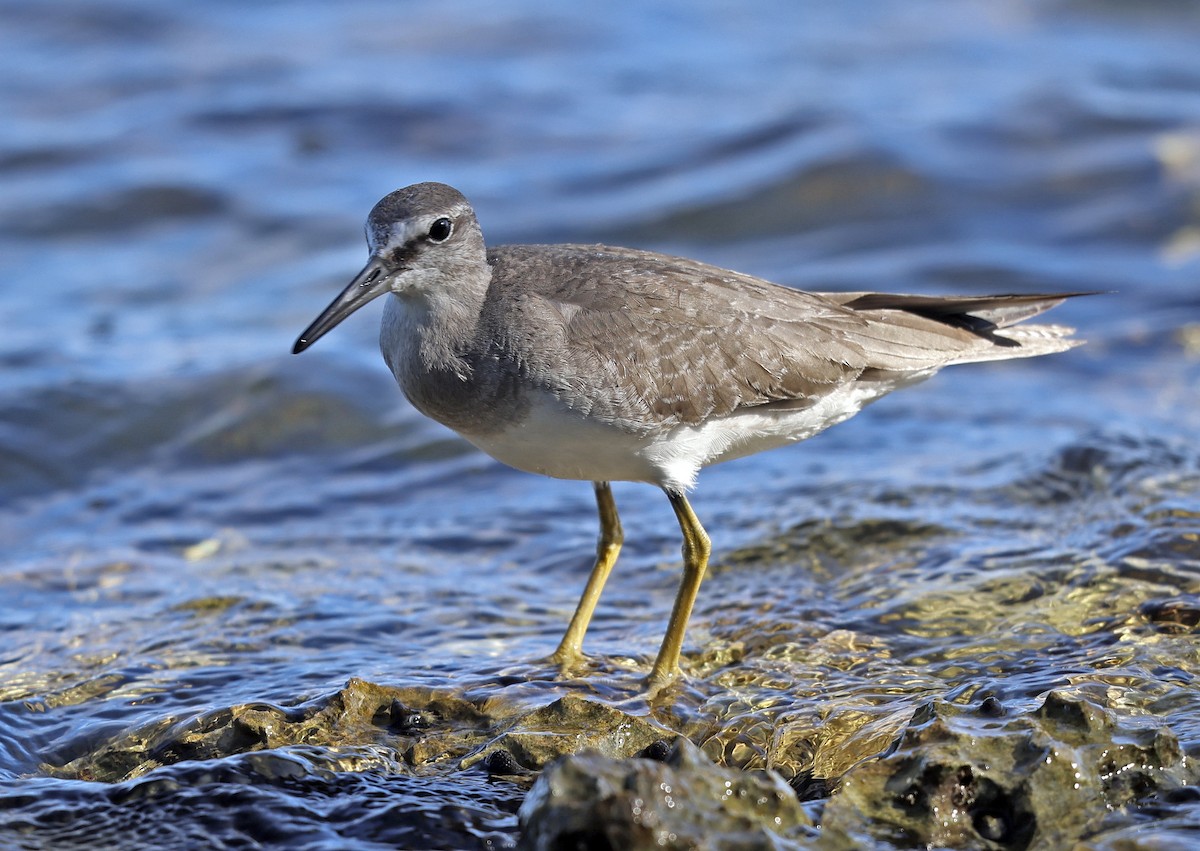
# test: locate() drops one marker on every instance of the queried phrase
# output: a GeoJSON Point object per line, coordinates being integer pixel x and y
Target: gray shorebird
{"type": "Point", "coordinates": [612, 364]}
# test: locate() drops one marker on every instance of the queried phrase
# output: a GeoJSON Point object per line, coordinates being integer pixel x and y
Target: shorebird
{"type": "Point", "coordinates": [607, 364]}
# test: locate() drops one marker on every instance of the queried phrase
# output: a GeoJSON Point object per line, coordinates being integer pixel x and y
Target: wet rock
{"type": "Point", "coordinates": [596, 802]}
{"type": "Point", "coordinates": [1076, 767]}
{"type": "Point", "coordinates": [500, 763]}
{"type": "Point", "coordinates": [365, 725]}
{"type": "Point", "coordinates": [569, 725]}
{"type": "Point", "coordinates": [657, 751]}
{"type": "Point", "coordinates": [967, 778]}
{"type": "Point", "coordinates": [1174, 615]}
{"type": "Point", "coordinates": [362, 725]}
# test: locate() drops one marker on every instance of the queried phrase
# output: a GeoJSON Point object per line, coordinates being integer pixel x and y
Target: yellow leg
{"type": "Point", "coordinates": [696, 548]}
{"type": "Point", "coordinates": [570, 649]}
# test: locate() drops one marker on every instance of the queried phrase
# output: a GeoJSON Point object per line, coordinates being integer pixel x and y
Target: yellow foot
{"type": "Point", "coordinates": [570, 664]}
{"type": "Point", "coordinates": [659, 681]}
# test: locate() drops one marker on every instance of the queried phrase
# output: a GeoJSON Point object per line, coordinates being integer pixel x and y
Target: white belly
{"type": "Point", "coordinates": [555, 441]}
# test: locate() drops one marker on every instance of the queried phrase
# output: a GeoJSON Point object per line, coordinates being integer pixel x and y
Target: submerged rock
{"type": "Point", "coordinates": [593, 801]}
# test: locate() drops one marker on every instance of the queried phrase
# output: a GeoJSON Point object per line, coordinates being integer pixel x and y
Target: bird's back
{"type": "Point", "coordinates": [651, 341]}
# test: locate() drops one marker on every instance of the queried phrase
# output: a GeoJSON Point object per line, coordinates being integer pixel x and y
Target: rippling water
{"type": "Point", "coordinates": [201, 532]}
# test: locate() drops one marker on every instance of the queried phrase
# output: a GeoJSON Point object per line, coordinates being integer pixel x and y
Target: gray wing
{"type": "Point", "coordinates": [646, 338]}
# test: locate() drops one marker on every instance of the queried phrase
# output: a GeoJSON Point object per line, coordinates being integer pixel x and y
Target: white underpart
{"type": "Point", "coordinates": [555, 441]}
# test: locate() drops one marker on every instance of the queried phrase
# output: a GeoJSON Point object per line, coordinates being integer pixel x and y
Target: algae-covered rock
{"type": "Point", "coordinates": [1074, 770]}
{"type": "Point", "coordinates": [361, 725]}
{"type": "Point", "coordinates": [980, 778]}
{"type": "Point", "coordinates": [570, 725]}
{"type": "Point", "coordinates": [365, 725]}
{"type": "Point", "coordinates": [593, 801]}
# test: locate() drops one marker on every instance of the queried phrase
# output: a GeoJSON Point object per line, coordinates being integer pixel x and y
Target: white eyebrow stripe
{"type": "Point", "coordinates": [398, 235]}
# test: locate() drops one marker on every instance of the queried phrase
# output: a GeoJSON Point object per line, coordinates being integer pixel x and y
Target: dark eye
{"type": "Point", "coordinates": [440, 230]}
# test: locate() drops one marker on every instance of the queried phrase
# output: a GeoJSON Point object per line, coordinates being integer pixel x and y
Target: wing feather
{"type": "Point", "coordinates": [640, 337]}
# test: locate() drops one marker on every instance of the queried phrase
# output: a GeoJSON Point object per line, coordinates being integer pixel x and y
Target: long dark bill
{"type": "Point", "coordinates": [368, 284]}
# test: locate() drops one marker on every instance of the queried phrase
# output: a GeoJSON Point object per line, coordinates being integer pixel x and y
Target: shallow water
{"type": "Point", "coordinates": [251, 600]}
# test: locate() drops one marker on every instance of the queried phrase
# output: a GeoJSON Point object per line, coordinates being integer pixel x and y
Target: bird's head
{"type": "Point", "coordinates": [419, 237]}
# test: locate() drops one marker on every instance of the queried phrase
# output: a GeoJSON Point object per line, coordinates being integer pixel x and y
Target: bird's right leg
{"type": "Point", "coordinates": [570, 649]}
{"type": "Point", "coordinates": [696, 549]}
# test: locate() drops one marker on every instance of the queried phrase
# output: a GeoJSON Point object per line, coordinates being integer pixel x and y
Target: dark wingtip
{"type": "Point", "coordinates": [301, 345]}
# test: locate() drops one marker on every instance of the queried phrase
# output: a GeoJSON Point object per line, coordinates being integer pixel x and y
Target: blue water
{"type": "Point", "coordinates": [184, 187]}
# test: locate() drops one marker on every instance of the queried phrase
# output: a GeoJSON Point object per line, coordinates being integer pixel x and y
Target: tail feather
{"type": "Point", "coordinates": [913, 332]}
{"type": "Point", "coordinates": [975, 313]}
